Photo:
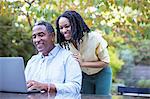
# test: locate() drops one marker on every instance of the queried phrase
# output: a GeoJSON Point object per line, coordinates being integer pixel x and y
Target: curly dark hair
{"type": "Point", "coordinates": [78, 26]}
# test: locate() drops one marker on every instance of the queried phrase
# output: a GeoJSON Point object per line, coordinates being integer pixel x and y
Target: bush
{"type": "Point", "coordinates": [142, 52]}
{"type": "Point", "coordinates": [14, 41]}
{"type": "Point", "coordinates": [115, 62]}
{"type": "Point", "coordinates": [143, 83]}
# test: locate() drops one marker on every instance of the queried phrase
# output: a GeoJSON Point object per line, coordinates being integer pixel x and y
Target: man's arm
{"type": "Point", "coordinates": [73, 77]}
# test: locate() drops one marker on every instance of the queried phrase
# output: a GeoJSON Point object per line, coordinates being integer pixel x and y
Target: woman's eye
{"type": "Point", "coordinates": [60, 27]}
{"type": "Point", "coordinates": [67, 26]}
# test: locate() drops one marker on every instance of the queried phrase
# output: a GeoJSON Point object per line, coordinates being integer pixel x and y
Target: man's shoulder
{"type": "Point", "coordinates": [33, 57]}
{"type": "Point", "coordinates": [65, 51]}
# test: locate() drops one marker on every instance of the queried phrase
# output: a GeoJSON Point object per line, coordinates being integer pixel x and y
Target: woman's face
{"type": "Point", "coordinates": [65, 27]}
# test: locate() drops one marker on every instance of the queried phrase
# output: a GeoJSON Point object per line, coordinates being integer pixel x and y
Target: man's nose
{"type": "Point", "coordinates": [37, 39]}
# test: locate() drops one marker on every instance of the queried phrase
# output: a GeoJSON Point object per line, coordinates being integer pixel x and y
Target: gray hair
{"type": "Point", "coordinates": [48, 26]}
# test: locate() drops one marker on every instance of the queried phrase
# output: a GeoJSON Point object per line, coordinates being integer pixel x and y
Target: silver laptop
{"type": "Point", "coordinates": [12, 77]}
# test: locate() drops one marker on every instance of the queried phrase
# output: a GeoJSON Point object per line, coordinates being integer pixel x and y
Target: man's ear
{"type": "Point", "coordinates": [53, 36]}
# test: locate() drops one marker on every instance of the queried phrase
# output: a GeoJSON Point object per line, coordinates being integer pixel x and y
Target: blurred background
{"type": "Point", "coordinates": [125, 24]}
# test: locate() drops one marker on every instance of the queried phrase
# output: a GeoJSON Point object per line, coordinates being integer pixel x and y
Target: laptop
{"type": "Point", "coordinates": [12, 77]}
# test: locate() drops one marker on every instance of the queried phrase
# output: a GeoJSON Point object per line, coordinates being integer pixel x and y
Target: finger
{"type": "Point", "coordinates": [29, 84]}
{"type": "Point", "coordinates": [75, 54]}
{"type": "Point", "coordinates": [31, 88]}
{"type": "Point", "coordinates": [77, 57]}
{"type": "Point", "coordinates": [30, 81]}
{"type": "Point", "coordinates": [78, 60]}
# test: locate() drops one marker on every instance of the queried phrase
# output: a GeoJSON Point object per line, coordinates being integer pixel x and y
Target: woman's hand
{"type": "Point", "coordinates": [78, 57]}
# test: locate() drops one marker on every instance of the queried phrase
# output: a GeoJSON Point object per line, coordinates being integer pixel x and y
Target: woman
{"type": "Point", "coordinates": [89, 49]}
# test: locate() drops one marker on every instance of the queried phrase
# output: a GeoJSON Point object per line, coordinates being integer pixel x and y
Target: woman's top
{"type": "Point", "coordinates": [92, 47]}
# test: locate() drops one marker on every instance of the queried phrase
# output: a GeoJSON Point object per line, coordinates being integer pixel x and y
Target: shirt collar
{"type": "Point", "coordinates": [53, 52]}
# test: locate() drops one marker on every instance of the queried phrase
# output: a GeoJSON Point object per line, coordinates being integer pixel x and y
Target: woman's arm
{"type": "Point", "coordinates": [94, 64]}
{"type": "Point", "coordinates": [91, 64]}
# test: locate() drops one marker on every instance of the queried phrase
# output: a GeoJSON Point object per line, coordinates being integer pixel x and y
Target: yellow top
{"type": "Point", "coordinates": [93, 47]}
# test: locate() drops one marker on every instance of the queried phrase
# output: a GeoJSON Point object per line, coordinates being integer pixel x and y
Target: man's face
{"type": "Point", "coordinates": [42, 40]}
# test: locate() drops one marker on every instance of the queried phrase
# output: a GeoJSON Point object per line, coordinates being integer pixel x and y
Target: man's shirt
{"type": "Point", "coordinates": [58, 68]}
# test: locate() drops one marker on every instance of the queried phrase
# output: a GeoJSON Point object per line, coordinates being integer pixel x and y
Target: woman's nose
{"type": "Point", "coordinates": [64, 30]}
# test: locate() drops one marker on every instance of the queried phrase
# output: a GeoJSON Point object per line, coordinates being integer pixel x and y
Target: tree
{"type": "Point", "coordinates": [14, 39]}
{"type": "Point", "coordinates": [124, 23]}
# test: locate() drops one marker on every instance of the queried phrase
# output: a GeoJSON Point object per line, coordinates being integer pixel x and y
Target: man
{"type": "Point", "coordinates": [53, 69]}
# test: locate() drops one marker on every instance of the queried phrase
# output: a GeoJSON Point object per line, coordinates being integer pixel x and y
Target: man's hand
{"type": "Point", "coordinates": [41, 86]}
{"type": "Point", "coordinates": [36, 85]}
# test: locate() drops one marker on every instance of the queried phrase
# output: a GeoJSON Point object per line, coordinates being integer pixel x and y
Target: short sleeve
{"type": "Point", "coordinates": [101, 50]}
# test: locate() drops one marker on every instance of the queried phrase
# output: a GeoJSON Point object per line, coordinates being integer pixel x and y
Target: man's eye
{"type": "Point", "coordinates": [33, 36]}
{"type": "Point", "coordinates": [41, 34]}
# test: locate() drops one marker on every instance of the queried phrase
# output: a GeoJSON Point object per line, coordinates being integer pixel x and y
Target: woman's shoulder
{"type": "Point", "coordinates": [95, 34]}
{"type": "Point", "coordinates": [98, 37]}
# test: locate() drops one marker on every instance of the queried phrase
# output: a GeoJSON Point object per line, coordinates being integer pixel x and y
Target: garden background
{"type": "Point", "coordinates": [125, 24]}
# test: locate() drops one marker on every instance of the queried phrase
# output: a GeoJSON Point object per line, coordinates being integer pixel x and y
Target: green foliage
{"type": "Point", "coordinates": [127, 56]}
{"type": "Point", "coordinates": [13, 40]}
{"type": "Point", "coordinates": [124, 23]}
{"type": "Point", "coordinates": [142, 52]}
{"type": "Point", "coordinates": [143, 83]}
{"type": "Point", "coordinates": [115, 62]}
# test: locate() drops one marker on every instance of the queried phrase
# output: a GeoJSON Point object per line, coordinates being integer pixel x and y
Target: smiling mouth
{"type": "Point", "coordinates": [39, 45]}
{"type": "Point", "coordinates": [67, 34]}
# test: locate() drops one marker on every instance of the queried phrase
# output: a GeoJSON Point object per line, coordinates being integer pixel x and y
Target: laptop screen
{"type": "Point", "coordinates": [12, 78]}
